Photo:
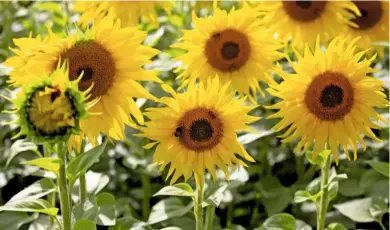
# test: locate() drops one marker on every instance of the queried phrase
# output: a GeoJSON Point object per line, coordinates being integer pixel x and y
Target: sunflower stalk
{"type": "Point", "coordinates": [83, 183]}
{"type": "Point", "coordinates": [323, 206]}
{"type": "Point", "coordinates": [145, 179]}
{"type": "Point", "coordinates": [198, 209]}
{"type": "Point", "coordinates": [210, 217]}
{"type": "Point", "coordinates": [64, 188]}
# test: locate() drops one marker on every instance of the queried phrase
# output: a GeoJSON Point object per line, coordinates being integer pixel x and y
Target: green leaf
{"type": "Point", "coordinates": [168, 208]}
{"type": "Point", "coordinates": [107, 204]}
{"type": "Point", "coordinates": [154, 37]}
{"type": "Point", "coordinates": [357, 210]}
{"type": "Point", "coordinates": [314, 160]}
{"type": "Point", "coordinates": [281, 221]}
{"type": "Point", "coordinates": [181, 189]}
{"type": "Point", "coordinates": [30, 205]}
{"type": "Point", "coordinates": [351, 188]}
{"type": "Point", "coordinates": [314, 186]}
{"type": "Point", "coordinates": [84, 224]}
{"type": "Point", "coordinates": [171, 228]}
{"type": "Point", "coordinates": [381, 167]}
{"type": "Point", "coordinates": [379, 189]}
{"type": "Point", "coordinates": [83, 162]}
{"type": "Point", "coordinates": [378, 208]}
{"type": "Point", "coordinates": [48, 6]}
{"type": "Point", "coordinates": [333, 189]}
{"type": "Point", "coordinates": [369, 178]}
{"type": "Point", "coordinates": [251, 137]}
{"type": "Point", "coordinates": [36, 190]}
{"type": "Point", "coordinates": [14, 220]}
{"type": "Point", "coordinates": [216, 197]}
{"type": "Point", "coordinates": [50, 164]}
{"type": "Point", "coordinates": [275, 197]}
{"type": "Point", "coordinates": [302, 196]}
{"type": "Point", "coordinates": [43, 222]}
{"type": "Point", "coordinates": [319, 158]}
{"type": "Point", "coordinates": [95, 183]}
{"type": "Point", "coordinates": [21, 146]}
{"type": "Point", "coordinates": [126, 223]}
{"type": "Point", "coordinates": [100, 210]}
{"type": "Point", "coordinates": [338, 177]}
{"type": "Point", "coordinates": [336, 226]}
{"type": "Point", "coordinates": [301, 225]}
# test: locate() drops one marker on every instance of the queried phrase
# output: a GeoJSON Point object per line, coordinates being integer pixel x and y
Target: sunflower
{"type": "Point", "coordinates": [49, 109]}
{"type": "Point", "coordinates": [329, 99]}
{"type": "Point", "coordinates": [372, 26]}
{"type": "Point", "coordinates": [302, 21]}
{"type": "Point", "coordinates": [27, 47]}
{"type": "Point", "coordinates": [129, 13]}
{"type": "Point", "coordinates": [102, 55]}
{"type": "Point", "coordinates": [233, 46]}
{"type": "Point", "coordinates": [197, 130]}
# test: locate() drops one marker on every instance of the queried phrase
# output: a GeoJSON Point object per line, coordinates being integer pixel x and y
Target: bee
{"type": "Point", "coordinates": [179, 132]}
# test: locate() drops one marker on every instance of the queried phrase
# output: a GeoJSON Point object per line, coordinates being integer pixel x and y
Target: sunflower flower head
{"type": "Point", "coordinates": [302, 21]}
{"type": "Point", "coordinates": [49, 110]}
{"type": "Point", "coordinates": [330, 99]}
{"type": "Point", "coordinates": [372, 26]}
{"type": "Point", "coordinates": [101, 53]}
{"type": "Point", "coordinates": [234, 46]}
{"type": "Point", "coordinates": [196, 130]}
{"type": "Point", "coordinates": [130, 13]}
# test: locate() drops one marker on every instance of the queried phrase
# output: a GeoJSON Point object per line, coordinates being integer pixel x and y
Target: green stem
{"type": "Point", "coordinates": [52, 200]}
{"type": "Point", "coordinates": [380, 223]}
{"type": "Point", "coordinates": [229, 219]}
{"type": "Point", "coordinates": [300, 166]}
{"type": "Point", "coordinates": [210, 217]}
{"type": "Point", "coordinates": [145, 179]}
{"type": "Point", "coordinates": [63, 188]}
{"type": "Point", "coordinates": [1, 197]}
{"type": "Point", "coordinates": [198, 207]}
{"type": "Point", "coordinates": [58, 222]}
{"type": "Point", "coordinates": [83, 183]}
{"type": "Point", "coordinates": [83, 187]}
{"type": "Point", "coordinates": [321, 212]}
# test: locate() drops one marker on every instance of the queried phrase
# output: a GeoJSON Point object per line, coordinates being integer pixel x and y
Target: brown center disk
{"type": "Point", "coordinates": [329, 96]}
{"type": "Point", "coordinates": [97, 64]}
{"type": "Point", "coordinates": [304, 11]}
{"type": "Point", "coordinates": [199, 129]}
{"type": "Point", "coordinates": [228, 50]}
{"type": "Point", "coordinates": [371, 14]}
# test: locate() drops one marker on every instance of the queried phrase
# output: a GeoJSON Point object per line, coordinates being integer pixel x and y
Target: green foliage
{"type": "Point", "coordinates": [126, 191]}
{"type": "Point", "coordinates": [84, 224]}
{"type": "Point", "coordinates": [168, 208]}
{"type": "Point", "coordinates": [181, 189]}
{"type": "Point", "coordinates": [83, 162]}
{"type": "Point", "coordinates": [282, 221]}
{"type": "Point", "coordinates": [50, 164]}
{"type": "Point", "coordinates": [381, 167]}
{"type": "Point", "coordinates": [99, 210]}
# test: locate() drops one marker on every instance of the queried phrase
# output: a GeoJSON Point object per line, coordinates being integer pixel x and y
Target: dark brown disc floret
{"type": "Point", "coordinates": [228, 50]}
{"type": "Point", "coordinates": [304, 11]}
{"type": "Point", "coordinates": [95, 62]}
{"type": "Point", "coordinates": [371, 13]}
{"type": "Point", "coordinates": [329, 96]}
{"type": "Point", "coordinates": [199, 129]}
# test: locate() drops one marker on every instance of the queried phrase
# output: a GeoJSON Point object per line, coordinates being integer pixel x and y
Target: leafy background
{"type": "Point", "coordinates": [122, 183]}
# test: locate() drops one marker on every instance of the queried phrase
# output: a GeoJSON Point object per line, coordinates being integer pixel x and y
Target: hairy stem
{"type": "Point", "coordinates": [198, 207]}
{"type": "Point", "coordinates": [83, 182]}
{"type": "Point", "coordinates": [145, 179]}
{"type": "Point", "coordinates": [210, 217]}
{"type": "Point", "coordinates": [321, 212]}
{"type": "Point", "coordinates": [64, 189]}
